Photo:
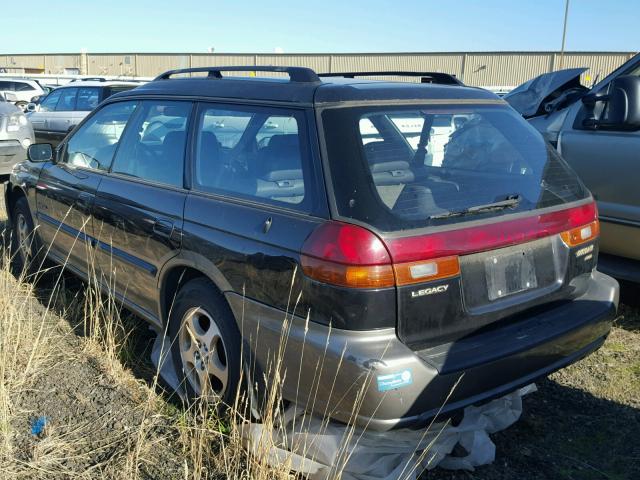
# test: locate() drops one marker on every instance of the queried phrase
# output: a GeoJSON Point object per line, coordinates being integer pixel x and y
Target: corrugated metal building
{"type": "Point", "coordinates": [474, 68]}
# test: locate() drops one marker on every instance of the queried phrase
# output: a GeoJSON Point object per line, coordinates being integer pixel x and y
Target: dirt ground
{"type": "Point", "coordinates": [583, 423]}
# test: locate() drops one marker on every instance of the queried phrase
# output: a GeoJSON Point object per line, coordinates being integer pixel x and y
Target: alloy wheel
{"type": "Point", "coordinates": [24, 238]}
{"type": "Point", "coordinates": [203, 353]}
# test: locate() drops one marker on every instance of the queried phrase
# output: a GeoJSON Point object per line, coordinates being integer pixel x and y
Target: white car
{"type": "Point", "coordinates": [21, 90]}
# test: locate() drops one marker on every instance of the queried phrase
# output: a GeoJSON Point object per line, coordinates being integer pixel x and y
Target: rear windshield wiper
{"type": "Point", "coordinates": [511, 201]}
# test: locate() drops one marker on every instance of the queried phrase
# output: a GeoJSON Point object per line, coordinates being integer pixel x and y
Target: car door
{"type": "Point", "coordinates": [66, 188]}
{"type": "Point", "coordinates": [253, 198]}
{"type": "Point", "coordinates": [139, 206]}
{"type": "Point", "coordinates": [39, 119]}
{"type": "Point", "coordinates": [607, 161]}
{"type": "Point", "coordinates": [60, 121]}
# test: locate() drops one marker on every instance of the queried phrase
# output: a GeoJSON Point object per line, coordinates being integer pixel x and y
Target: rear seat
{"type": "Point", "coordinates": [395, 181]}
{"type": "Point", "coordinates": [280, 170]}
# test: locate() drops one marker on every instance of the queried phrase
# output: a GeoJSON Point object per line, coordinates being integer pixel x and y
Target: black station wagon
{"type": "Point", "coordinates": [402, 236]}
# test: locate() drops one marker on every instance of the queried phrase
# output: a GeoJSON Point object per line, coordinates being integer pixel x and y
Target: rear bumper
{"type": "Point", "coordinates": [372, 379]}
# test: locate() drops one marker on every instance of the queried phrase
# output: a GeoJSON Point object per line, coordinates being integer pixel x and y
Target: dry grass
{"type": "Point", "coordinates": [80, 335]}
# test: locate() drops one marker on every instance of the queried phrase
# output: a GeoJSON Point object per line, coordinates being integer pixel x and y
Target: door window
{"type": "Point", "coordinates": [153, 148]}
{"type": "Point", "coordinates": [50, 102]}
{"type": "Point", "coordinates": [67, 100]}
{"type": "Point", "coordinates": [95, 142]}
{"type": "Point", "coordinates": [254, 152]}
{"type": "Point", "coordinates": [88, 99]}
{"type": "Point", "coordinates": [23, 87]}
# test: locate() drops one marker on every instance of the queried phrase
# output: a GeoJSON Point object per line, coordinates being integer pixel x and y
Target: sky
{"type": "Point", "coordinates": [305, 26]}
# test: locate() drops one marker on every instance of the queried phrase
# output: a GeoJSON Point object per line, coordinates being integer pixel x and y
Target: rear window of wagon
{"type": "Point", "coordinates": [406, 167]}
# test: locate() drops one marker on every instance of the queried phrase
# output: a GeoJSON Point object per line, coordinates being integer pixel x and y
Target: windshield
{"type": "Point", "coordinates": [399, 168]}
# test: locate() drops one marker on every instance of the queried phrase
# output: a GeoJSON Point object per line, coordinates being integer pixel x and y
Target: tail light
{"type": "Point", "coordinates": [352, 256]}
{"type": "Point", "coordinates": [580, 235]}
{"type": "Point", "coordinates": [347, 255]}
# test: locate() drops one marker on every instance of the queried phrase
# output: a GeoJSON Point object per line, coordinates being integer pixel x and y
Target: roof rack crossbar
{"type": "Point", "coordinates": [426, 77]}
{"type": "Point", "coordinates": [296, 74]}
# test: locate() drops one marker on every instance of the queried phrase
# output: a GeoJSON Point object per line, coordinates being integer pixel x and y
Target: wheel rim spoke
{"type": "Point", "coordinates": [217, 368]}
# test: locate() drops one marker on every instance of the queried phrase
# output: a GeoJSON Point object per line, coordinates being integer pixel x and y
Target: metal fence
{"type": "Point", "coordinates": [476, 68]}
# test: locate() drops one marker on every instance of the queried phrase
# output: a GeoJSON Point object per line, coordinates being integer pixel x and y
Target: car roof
{"type": "Point", "coordinates": [23, 80]}
{"type": "Point", "coordinates": [98, 83]}
{"type": "Point", "coordinates": [323, 92]}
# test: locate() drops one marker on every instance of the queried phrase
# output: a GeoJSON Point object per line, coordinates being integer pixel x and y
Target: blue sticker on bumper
{"type": "Point", "coordinates": [392, 381]}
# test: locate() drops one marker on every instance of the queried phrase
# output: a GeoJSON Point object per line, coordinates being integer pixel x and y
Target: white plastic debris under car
{"type": "Point", "coordinates": [320, 449]}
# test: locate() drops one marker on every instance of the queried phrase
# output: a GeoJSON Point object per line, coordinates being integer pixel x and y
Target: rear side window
{"type": "Point", "coordinates": [95, 142]}
{"type": "Point", "coordinates": [108, 91]}
{"type": "Point", "coordinates": [400, 168]}
{"type": "Point", "coordinates": [7, 86]}
{"type": "Point", "coordinates": [23, 87]}
{"type": "Point", "coordinates": [88, 99]}
{"type": "Point", "coordinates": [153, 147]}
{"type": "Point", "coordinates": [252, 152]}
{"type": "Point", "coordinates": [67, 101]}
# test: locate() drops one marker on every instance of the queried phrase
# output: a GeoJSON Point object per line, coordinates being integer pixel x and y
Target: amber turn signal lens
{"type": "Point", "coordinates": [579, 235]}
{"type": "Point", "coordinates": [354, 276]}
{"type": "Point", "coordinates": [426, 271]}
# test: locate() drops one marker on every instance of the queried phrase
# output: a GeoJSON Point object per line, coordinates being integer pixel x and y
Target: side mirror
{"type": "Point", "coordinates": [40, 152]}
{"type": "Point", "coordinates": [622, 111]}
{"type": "Point", "coordinates": [32, 107]}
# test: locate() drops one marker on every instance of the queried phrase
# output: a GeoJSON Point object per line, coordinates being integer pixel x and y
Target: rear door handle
{"type": "Point", "coordinates": [163, 228]}
{"type": "Point", "coordinates": [84, 201]}
{"type": "Point", "coordinates": [166, 229]}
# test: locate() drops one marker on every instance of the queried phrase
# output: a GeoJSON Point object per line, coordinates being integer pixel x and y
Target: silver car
{"type": "Point", "coordinates": [16, 134]}
{"type": "Point", "coordinates": [66, 106]}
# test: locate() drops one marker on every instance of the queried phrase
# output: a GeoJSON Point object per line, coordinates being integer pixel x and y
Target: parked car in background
{"type": "Point", "coordinates": [597, 131]}
{"type": "Point", "coordinates": [23, 90]}
{"type": "Point", "coordinates": [66, 106]}
{"type": "Point", "coordinates": [16, 135]}
{"type": "Point", "coordinates": [38, 98]}
{"type": "Point", "coordinates": [424, 286]}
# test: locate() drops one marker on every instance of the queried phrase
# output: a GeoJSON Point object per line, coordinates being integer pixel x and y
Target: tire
{"type": "Point", "coordinates": [25, 242]}
{"type": "Point", "coordinates": [205, 344]}
{"type": "Point", "coordinates": [22, 105]}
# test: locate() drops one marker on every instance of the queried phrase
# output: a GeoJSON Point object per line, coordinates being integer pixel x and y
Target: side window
{"type": "Point", "coordinates": [50, 102]}
{"type": "Point", "coordinates": [7, 86]}
{"type": "Point", "coordinates": [23, 87]}
{"type": "Point", "coordinates": [88, 99]}
{"type": "Point", "coordinates": [153, 148]}
{"type": "Point", "coordinates": [252, 152]}
{"type": "Point", "coordinates": [95, 142]}
{"type": "Point", "coordinates": [67, 100]}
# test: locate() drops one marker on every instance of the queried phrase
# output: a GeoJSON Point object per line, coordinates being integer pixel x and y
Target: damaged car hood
{"type": "Point", "coordinates": [529, 99]}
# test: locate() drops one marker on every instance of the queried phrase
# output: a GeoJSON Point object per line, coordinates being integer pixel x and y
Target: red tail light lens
{"type": "Point", "coordinates": [489, 237]}
{"type": "Point", "coordinates": [345, 243]}
{"type": "Point", "coordinates": [352, 256]}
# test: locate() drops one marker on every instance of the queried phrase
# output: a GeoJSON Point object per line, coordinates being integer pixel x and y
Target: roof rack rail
{"type": "Point", "coordinates": [89, 79]}
{"type": "Point", "coordinates": [296, 74]}
{"type": "Point", "coordinates": [426, 77]}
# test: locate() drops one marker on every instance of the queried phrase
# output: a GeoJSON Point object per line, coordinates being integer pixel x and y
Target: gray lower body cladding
{"type": "Point", "coordinates": [361, 376]}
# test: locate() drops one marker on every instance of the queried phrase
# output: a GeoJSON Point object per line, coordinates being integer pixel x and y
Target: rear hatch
{"type": "Point", "coordinates": [481, 219]}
